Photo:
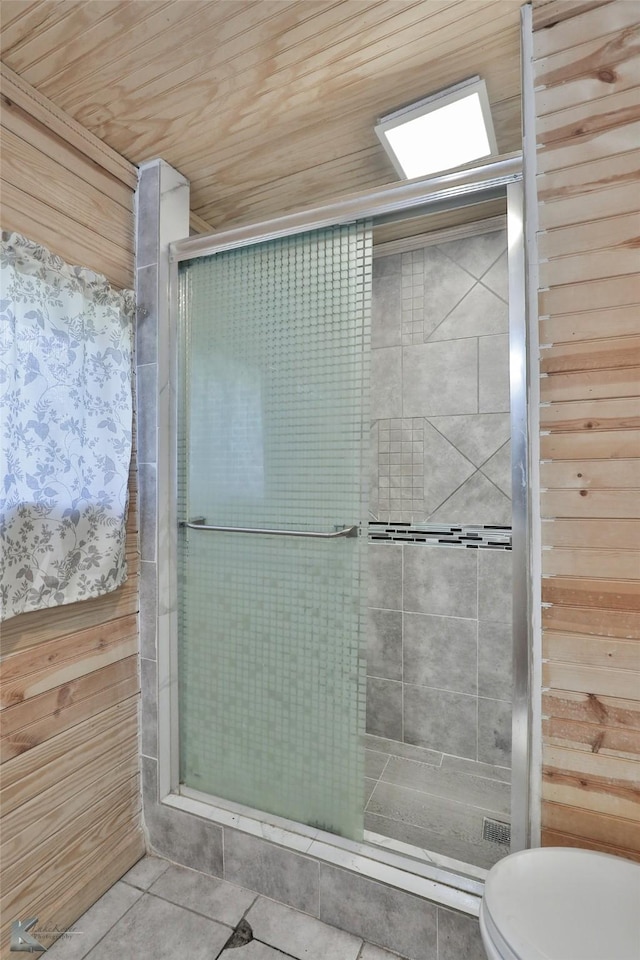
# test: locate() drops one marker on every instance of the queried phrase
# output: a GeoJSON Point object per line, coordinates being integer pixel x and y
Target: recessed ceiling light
{"type": "Point", "coordinates": [442, 131]}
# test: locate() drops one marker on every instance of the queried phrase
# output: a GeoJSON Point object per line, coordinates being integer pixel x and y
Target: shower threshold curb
{"type": "Point", "coordinates": [435, 882]}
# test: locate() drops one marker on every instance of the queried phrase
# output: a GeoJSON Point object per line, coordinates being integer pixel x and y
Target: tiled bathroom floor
{"type": "Point", "coordinates": [162, 911]}
{"type": "Point", "coordinates": [433, 801]}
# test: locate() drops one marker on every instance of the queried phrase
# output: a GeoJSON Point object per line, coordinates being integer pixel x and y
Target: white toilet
{"type": "Point", "coordinates": [561, 903]}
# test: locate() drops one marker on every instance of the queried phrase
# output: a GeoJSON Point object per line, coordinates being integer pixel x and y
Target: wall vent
{"type": "Point", "coordinates": [495, 831]}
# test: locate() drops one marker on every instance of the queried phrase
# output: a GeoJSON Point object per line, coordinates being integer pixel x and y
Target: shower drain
{"type": "Point", "coordinates": [496, 831]}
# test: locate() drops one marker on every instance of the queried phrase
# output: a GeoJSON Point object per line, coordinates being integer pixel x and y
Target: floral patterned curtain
{"type": "Point", "coordinates": [66, 340]}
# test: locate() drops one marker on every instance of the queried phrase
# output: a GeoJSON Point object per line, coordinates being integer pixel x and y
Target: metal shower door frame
{"type": "Point", "coordinates": [490, 179]}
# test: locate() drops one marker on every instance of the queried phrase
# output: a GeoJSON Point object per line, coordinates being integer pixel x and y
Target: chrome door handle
{"type": "Point", "coordinates": [344, 532]}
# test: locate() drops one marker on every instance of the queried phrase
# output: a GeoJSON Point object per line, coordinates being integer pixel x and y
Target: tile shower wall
{"type": "Point", "coordinates": [439, 646]}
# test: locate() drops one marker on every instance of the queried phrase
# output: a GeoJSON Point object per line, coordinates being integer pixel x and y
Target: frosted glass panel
{"type": "Point", "coordinates": [272, 675]}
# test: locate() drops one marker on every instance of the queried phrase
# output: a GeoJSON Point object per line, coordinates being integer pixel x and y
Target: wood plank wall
{"type": "Point", "coordinates": [69, 690]}
{"type": "Point", "coordinates": [587, 72]}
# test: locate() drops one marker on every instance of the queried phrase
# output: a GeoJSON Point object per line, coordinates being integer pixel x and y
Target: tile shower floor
{"type": "Point", "coordinates": [434, 802]}
{"type": "Point", "coordinates": [162, 911]}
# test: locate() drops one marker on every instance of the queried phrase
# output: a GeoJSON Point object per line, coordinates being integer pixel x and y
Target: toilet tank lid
{"type": "Point", "coordinates": [562, 902]}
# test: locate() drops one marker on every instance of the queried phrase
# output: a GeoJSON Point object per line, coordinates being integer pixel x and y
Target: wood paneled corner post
{"type": "Point", "coordinates": [587, 85]}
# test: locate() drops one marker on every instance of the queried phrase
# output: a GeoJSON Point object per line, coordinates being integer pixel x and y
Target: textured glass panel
{"type": "Point", "coordinates": [272, 676]}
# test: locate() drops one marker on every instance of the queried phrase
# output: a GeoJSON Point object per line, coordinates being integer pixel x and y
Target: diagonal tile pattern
{"type": "Point", "coordinates": [454, 469]}
{"type": "Point", "coordinates": [476, 254]}
{"type": "Point", "coordinates": [477, 437]}
{"type": "Point", "coordinates": [497, 278]}
{"type": "Point", "coordinates": [432, 285]}
{"type": "Point", "coordinates": [498, 468]}
{"type": "Point", "coordinates": [477, 498]}
{"type": "Point", "coordinates": [480, 313]}
{"type": "Point", "coordinates": [440, 336]}
{"type": "Point", "coordinates": [449, 468]}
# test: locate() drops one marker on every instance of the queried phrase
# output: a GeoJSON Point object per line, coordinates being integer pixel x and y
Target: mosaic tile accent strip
{"type": "Point", "coordinates": [467, 535]}
{"type": "Point", "coordinates": [412, 297]}
{"type": "Point", "coordinates": [401, 468]}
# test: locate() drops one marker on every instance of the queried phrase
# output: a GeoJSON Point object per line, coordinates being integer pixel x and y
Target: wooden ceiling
{"type": "Point", "coordinates": [265, 105]}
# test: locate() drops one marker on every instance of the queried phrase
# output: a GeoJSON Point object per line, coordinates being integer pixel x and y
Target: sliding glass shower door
{"type": "Point", "coordinates": [273, 421]}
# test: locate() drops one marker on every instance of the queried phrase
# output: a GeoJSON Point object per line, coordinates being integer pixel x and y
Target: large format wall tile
{"type": "Point", "coordinates": [391, 918]}
{"type": "Point", "coordinates": [384, 708]}
{"type": "Point", "coordinates": [441, 581]}
{"type": "Point", "coordinates": [373, 479]}
{"type": "Point", "coordinates": [458, 937]}
{"type": "Point", "coordinates": [147, 316]}
{"type": "Point", "coordinates": [494, 732]}
{"type": "Point", "coordinates": [386, 305]}
{"type": "Point", "coordinates": [495, 572]}
{"type": "Point", "coordinates": [147, 484]}
{"type": "Point", "coordinates": [176, 835]}
{"type": "Point", "coordinates": [385, 575]}
{"type": "Point", "coordinates": [148, 607]}
{"type": "Point", "coordinates": [493, 365]}
{"type": "Point", "coordinates": [149, 708]}
{"type": "Point", "coordinates": [271, 870]}
{"type": "Point", "coordinates": [185, 839]}
{"type": "Point", "coordinates": [495, 669]}
{"type": "Point", "coordinates": [384, 644]}
{"type": "Point", "coordinates": [440, 720]}
{"type": "Point", "coordinates": [148, 218]}
{"type": "Point", "coordinates": [441, 652]}
{"type": "Point", "coordinates": [387, 266]}
{"type": "Point", "coordinates": [386, 374]}
{"type": "Point", "coordinates": [146, 387]}
{"type": "Point", "coordinates": [439, 378]}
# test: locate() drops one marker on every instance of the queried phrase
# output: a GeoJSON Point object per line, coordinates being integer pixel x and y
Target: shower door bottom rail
{"type": "Point", "coordinates": [320, 535]}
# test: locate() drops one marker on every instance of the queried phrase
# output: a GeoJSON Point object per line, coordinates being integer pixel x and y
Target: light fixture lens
{"type": "Point", "coordinates": [440, 133]}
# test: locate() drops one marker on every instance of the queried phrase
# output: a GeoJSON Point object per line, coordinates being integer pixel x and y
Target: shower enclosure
{"type": "Point", "coordinates": [344, 555]}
